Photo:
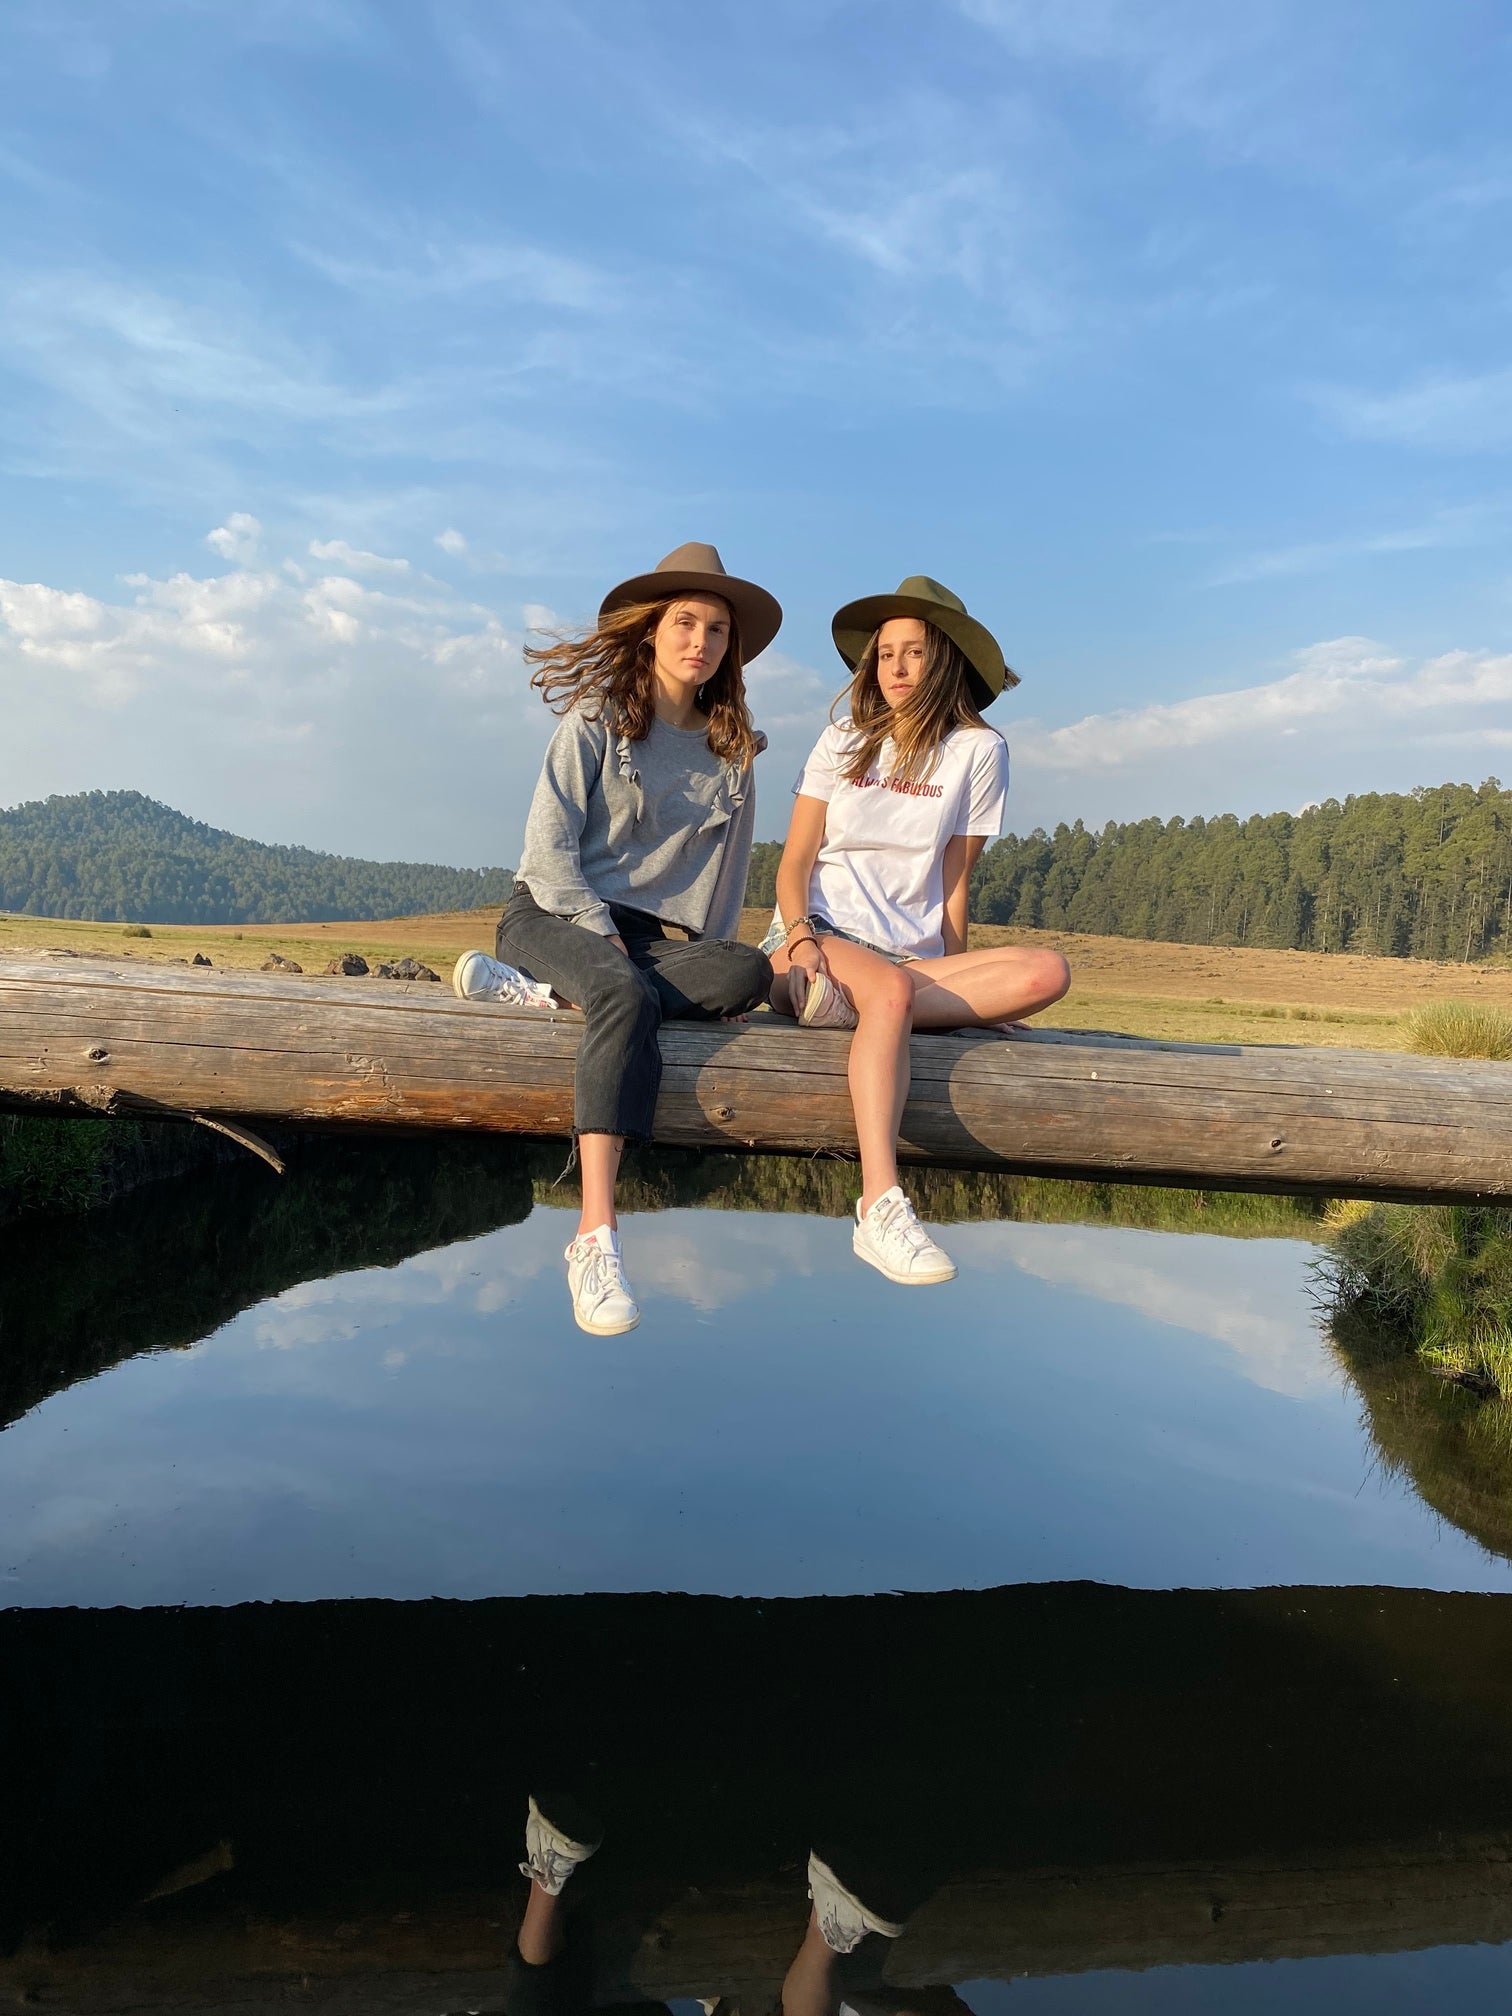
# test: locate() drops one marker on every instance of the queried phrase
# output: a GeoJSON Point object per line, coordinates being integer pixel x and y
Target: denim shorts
{"type": "Point", "coordinates": [776, 938]}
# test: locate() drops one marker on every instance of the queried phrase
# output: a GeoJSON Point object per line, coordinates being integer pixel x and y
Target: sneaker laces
{"type": "Point", "coordinates": [900, 1222]}
{"type": "Point", "coordinates": [602, 1272]}
{"type": "Point", "coordinates": [546, 1866]}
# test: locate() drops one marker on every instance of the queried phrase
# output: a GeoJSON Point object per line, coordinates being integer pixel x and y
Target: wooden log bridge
{"type": "Point", "coordinates": [85, 1036]}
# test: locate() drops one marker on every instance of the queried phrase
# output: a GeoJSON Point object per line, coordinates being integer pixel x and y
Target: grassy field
{"type": "Point", "coordinates": [1191, 992]}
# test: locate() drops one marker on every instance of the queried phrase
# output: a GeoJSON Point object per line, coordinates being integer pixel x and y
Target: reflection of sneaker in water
{"type": "Point", "coordinates": [601, 1298]}
{"type": "Point", "coordinates": [476, 977]}
{"type": "Point", "coordinates": [843, 1919]}
{"type": "Point", "coordinates": [891, 1239]}
{"type": "Point", "coordinates": [559, 1835]}
{"type": "Point", "coordinates": [825, 1007]}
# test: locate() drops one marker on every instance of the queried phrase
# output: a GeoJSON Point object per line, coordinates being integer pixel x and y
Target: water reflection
{"type": "Point", "coordinates": [1048, 1781]}
{"type": "Point", "coordinates": [362, 1382]}
{"type": "Point", "coordinates": [363, 1409]}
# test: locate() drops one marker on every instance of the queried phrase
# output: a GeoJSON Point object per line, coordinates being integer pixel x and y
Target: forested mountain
{"type": "Point", "coordinates": [118, 855]}
{"type": "Point", "coordinates": [1425, 874]}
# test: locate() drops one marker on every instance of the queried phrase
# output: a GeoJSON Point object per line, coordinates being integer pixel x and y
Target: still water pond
{"type": "Point", "coordinates": [1143, 1407]}
{"type": "Point", "coordinates": [1115, 1756]}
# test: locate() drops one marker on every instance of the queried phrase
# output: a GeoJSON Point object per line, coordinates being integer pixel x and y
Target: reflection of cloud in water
{"type": "Point", "coordinates": [1251, 1296]}
{"type": "Point", "coordinates": [710, 1259]}
{"type": "Point", "coordinates": [486, 1273]}
{"type": "Point", "coordinates": [706, 1260]}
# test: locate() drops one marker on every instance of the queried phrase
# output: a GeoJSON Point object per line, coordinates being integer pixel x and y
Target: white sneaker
{"type": "Point", "coordinates": [476, 977]}
{"type": "Point", "coordinates": [843, 1919]}
{"type": "Point", "coordinates": [551, 1854]}
{"type": "Point", "coordinates": [891, 1239]}
{"type": "Point", "coordinates": [825, 1007]}
{"type": "Point", "coordinates": [601, 1298]}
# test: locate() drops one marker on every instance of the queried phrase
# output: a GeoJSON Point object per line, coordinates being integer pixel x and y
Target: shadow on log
{"type": "Point", "coordinates": [84, 1037]}
{"type": "Point", "coordinates": [1062, 1777]}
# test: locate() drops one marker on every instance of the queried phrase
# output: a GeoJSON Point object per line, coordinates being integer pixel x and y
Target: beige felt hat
{"type": "Point", "coordinates": [696, 569]}
{"type": "Point", "coordinates": [855, 624]}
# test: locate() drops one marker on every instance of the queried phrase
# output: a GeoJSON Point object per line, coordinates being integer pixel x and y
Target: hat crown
{"type": "Point", "coordinates": [923, 588]}
{"type": "Point", "coordinates": [694, 558]}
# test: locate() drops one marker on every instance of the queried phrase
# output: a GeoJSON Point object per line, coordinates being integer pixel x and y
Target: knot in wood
{"type": "Point", "coordinates": [1276, 1143]}
{"type": "Point", "coordinates": [97, 1053]}
{"type": "Point", "coordinates": [722, 1112]}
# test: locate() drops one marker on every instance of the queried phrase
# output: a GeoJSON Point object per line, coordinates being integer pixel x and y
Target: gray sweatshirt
{"type": "Point", "coordinates": [661, 825]}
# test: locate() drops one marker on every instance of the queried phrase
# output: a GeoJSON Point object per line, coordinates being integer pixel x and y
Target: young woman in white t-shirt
{"type": "Point", "coordinates": [890, 816]}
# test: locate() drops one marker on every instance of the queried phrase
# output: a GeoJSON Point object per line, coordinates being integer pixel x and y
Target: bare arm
{"type": "Point", "coordinates": [794, 872]}
{"type": "Point", "coordinates": [962, 852]}
{"type": "Point", "coordinates": [805, 836]}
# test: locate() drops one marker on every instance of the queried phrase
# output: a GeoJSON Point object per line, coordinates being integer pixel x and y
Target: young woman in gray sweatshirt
{"type": "Point", "coordinates": [642, 819]}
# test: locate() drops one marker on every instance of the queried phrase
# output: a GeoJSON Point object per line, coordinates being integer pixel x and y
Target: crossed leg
{"type": "Point", "coordinates": [978, 990]}
{"type": "Point", "coordinates": [964, 990]}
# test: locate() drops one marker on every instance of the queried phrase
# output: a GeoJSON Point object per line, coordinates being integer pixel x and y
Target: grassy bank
{"type": "Point", "coordinates": [1433, 1281]}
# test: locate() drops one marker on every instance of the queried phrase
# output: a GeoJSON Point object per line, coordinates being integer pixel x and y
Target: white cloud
{"type": "Point", "coordinates": [239, 539]}
{"type": "Point", "coordinates": [324, 709]}
{"type": "Point", "coordinates": [353, 557]}
{"type": "Point", "coordinates": [1461, 413]}
{"type": "Point", "coordinates": [1251, 1298]}
{"type": "Point", "coordinates": [1347, 681]}
{"type": "Point", "coordinates": [451, 541]}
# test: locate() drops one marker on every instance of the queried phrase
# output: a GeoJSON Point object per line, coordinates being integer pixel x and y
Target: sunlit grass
{"type": "Point", "coordinates": [1458, 1029]}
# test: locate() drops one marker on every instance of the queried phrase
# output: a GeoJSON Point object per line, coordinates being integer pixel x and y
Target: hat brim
{"type": "Point", "coordinates": [854, 626]}
{"type": "Point", "coordinates": [758, 613]}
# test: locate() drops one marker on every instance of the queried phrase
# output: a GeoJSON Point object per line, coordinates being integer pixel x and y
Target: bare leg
{"type": "Point", "coordinates": [541, 1934]}
{"type": "Point", "coordinates": [811, 1987]}
{"type": "Point", "coordinates": [969, 990]}
{"type": "Point", "coordinates": [877, 1070]}
{"type": "Point", "coordinates": [599, 1159]}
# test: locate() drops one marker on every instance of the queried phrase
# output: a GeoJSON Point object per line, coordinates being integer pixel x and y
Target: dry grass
{"type": "Point", "coordinates": [436, 939]}
{"type": "Point", "coordinates": [1188, 993]}
{"type": "Point", "coordinates": [1459, 1029]}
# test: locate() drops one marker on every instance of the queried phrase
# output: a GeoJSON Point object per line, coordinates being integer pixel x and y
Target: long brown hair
{"type": "Point", "coordinates": [940, 702]}
{"type": "Point", "coordinates": [613, 671]}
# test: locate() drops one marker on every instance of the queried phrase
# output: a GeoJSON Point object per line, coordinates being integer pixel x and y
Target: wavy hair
{"type": "Point", "coordinates": [612, 671]}
{"type": "Point", "coordinates": [941, 701]}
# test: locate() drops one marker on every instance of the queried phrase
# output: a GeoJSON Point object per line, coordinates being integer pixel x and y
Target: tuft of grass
{"type": "Point", "coordinates": [1432, 1280]}
{"type": "Point", "coordinates": [136, 931]}
{"type": "Point", "coordinates": [1459, 1029]}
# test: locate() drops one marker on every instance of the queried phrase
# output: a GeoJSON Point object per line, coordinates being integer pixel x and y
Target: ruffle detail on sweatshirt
{"type": "Point", "coordinates": [624, 751]}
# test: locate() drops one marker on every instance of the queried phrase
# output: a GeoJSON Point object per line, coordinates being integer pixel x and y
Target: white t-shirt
{"type": "Point", "coordinates": [881, 872]}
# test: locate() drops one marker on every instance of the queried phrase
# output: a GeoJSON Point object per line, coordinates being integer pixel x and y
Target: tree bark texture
{"type": "Point", "coordinates": [91, 1037]}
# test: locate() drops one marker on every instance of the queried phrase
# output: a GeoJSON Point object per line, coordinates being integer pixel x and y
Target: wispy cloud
{"type": "Point", "coordinates": [1466, 526]}
{"type": "Point", "coordinates": [1347, 682]}
{"type": "Point", "coordinates": [1461, 413]}
{"type": "Point", "coordinates": [355, 559]}
{"type": "Point", "coordinates": [425, 269]}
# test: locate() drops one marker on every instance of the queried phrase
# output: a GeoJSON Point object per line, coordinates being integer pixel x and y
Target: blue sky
{"type": "Point", "coordinates": [341, 342]}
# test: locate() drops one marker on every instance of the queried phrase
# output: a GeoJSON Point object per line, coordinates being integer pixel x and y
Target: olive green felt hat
{"type": "Point", "coordinates": [855, 624]}
{"type": "Point", "coordinates": [696, 569]}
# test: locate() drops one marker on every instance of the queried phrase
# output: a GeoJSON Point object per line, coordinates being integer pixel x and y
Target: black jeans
{"type": "Point", "coordinates": [624, 1001]}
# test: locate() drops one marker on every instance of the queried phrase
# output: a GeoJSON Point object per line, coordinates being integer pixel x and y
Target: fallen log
{"type": "Point", "coordinates": [230, 1049]}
